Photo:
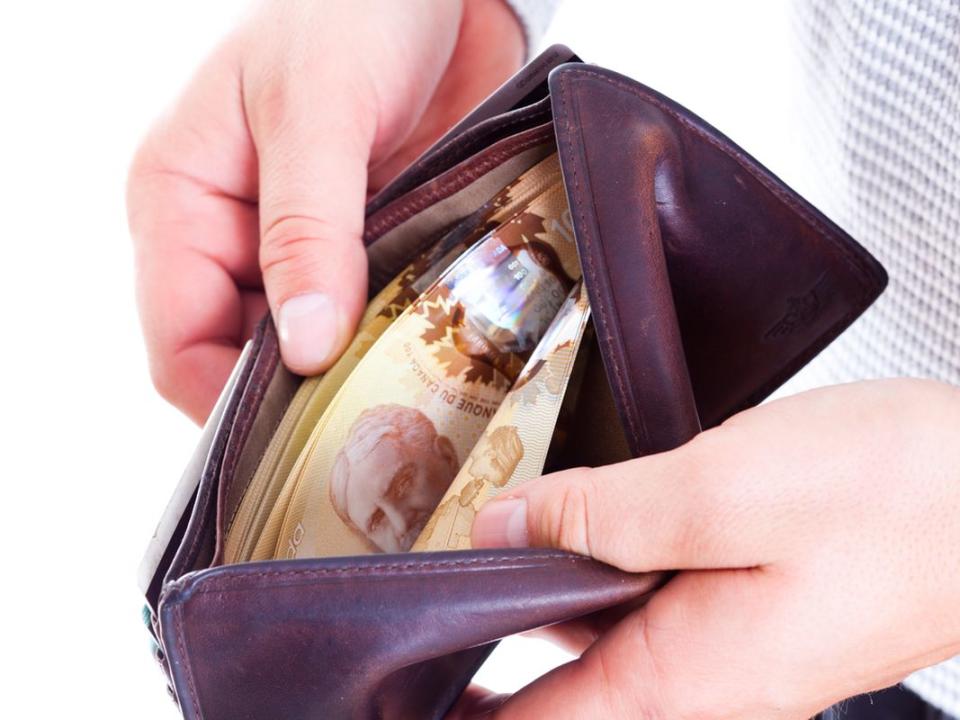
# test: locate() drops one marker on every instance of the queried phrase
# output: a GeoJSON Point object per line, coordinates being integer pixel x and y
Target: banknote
{"type": "Point", "coordinates": [252, 535]}
{"type": "Point", "coordinates": [395, 434]}
{"type": "Point", "coordinates": [253, 532]}
{"type": "Point", "coordinates": [514, 445]}
{"type": "Point", "coordinates": [264, 497]}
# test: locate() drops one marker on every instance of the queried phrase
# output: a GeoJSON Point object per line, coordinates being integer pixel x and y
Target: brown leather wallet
{"type": "Point", "coordinates": [710, 282]}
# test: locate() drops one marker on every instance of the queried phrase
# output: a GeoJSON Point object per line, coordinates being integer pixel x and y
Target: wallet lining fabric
{"type": "Point", "coordinates": [276, 399]}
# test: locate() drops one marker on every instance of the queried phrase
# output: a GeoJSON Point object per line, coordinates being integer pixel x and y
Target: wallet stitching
{"type": "Point", "coordinates": [185, 661]}
{"type": "Point", "coordinates": [591, 269]}
{"type": "Point", "coordinates": [218, 583]}
{"type": "Point", "coordinates": [441, 157]}
{"type": "Point", "coordinates": [411, 207]}
{"type": "Point", "coordinates": [864, 273]}
{"type": "Point", "coordinates": [418, 204]}
{"type": "Point", "coordinates": [478, 140]}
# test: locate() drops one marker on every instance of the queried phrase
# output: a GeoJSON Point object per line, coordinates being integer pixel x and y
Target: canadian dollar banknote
{"type": "Point", "coordinates": [394, 436]}
{"type": "Point", "coordinates": [514, 445]}
{"type": "Point", "coordinates": [261, 509]}
{"type": "Point", "coordinates": [253, 530]}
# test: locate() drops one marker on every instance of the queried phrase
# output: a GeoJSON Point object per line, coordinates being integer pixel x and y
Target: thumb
{"type": "Point", "coordinates": [677, 510]}
{"type": "Point", "coordinates": [313, 178]}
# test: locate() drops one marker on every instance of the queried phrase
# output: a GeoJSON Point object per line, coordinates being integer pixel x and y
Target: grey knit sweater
{"type": "Point", "coordinates": [883, 115]}
{"type": "Point", "coordinates": [883, 78]}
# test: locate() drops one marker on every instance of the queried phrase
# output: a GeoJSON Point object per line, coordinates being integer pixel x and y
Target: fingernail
{"type": "Point", "coordinates": [308, 326]}
{"type": "Point", "coordinates": [502, 523]}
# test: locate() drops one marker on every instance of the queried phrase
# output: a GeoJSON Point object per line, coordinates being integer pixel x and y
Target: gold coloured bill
{"type": "Point", "coordinates": [252, 534]}
{"type": "Point", "coordinates": [397, 431]}
{"type": "Point", "coordinates": [514, 445]}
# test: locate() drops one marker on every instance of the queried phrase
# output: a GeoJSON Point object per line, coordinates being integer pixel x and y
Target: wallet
{"type": "Point", "coordinates": [710, 283]}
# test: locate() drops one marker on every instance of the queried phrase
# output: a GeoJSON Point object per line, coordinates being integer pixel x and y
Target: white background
{"type": "Point", "coordinates": [90, 452]}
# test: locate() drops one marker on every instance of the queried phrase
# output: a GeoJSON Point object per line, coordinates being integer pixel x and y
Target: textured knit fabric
{"type": "Point", "coordinates": [884, 119]}
{"type": "Point", "coordinates": [894, 703]}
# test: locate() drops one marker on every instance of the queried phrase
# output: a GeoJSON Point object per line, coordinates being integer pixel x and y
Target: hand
{"type": "Point", "coordinates": [819, 542]}
{"type": "Point", "coordinates": [251, 192]}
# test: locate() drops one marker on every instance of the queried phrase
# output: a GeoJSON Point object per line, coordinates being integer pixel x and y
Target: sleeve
{"type": "Point", "coordinates": [535, 17]}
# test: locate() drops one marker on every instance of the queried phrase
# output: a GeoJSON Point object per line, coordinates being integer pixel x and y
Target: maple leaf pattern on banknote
{"type": "Point", "coordinates": [404, 296]}
{"type": "Point", "coordinates": [445, 319]}
{"type": "Point", "coordinates": [437, 314]}
{"type": "Point", "coordinates": [480, 372]}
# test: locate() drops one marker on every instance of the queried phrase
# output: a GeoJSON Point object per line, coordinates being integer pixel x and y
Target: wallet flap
{"type": "Point", "coordinates": [345, 637]}
{"type": "Point", "coordinates": [198, 544]}
{"type": "Point", "coordinates": [173, 523]}
{"type": "Point", "coordinates": [761, 281]}
{"type": "Point", "coordinates": [612, 198]}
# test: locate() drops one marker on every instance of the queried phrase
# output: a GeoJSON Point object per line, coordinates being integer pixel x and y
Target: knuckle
{"type": "Point", "coordinates": [272, 99]}
{"type": "Point", "coordinates": [567, 522]}
{"type": "Point", "coordinates": [280, 105]}
{"type": "Point", "coordinates": [138, 190]}
{"type": "Point", "coordinates": [294, 242]}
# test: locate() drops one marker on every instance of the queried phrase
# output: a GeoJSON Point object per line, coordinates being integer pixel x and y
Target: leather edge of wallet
{"type": "Point", "coordinates": [179, 631]}
{"type": "Point", "coordinates": [866, 269]}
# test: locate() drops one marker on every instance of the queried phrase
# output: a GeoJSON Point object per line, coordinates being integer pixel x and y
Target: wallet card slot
{"type": "Point", "coordinates": [447, 154]}
{"type": "Point", "coordinates": [197, 546]}
{"type": "Point", "coordinates": [406, 227]}
{"type": "Point", "coordinates": [172, 526]}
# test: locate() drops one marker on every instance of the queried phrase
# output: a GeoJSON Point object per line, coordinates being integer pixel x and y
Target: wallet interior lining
{"type": "Point", "coordinates": [463, 147]}
{"type": "Point", "coordinates": [280, 390]}
{"type": "Point", "coordinates": [410, 225]}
